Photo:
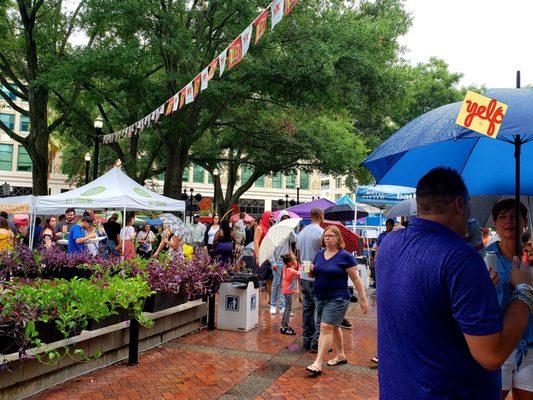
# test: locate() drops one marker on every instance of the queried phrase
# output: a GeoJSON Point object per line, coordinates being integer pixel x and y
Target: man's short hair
{"type": "Point", "coordinates": [88, 219]}
{"type": "Point", "coordinates": [69, 210]}
{"type": "Point", "coordinates": [316, 212]}
{"type": "Point", "coordinates": [506, 205]}
{"type": "Point", "coordinates": [114, 216]}
{"type": "Point", "coordinates": [3, 214]}
{"type": "Point", "coordinates": [437, 189]}
{"type": "Point", "coordinates": [242, 215]}
{"type": "Point", "coordinates": [390, 221]}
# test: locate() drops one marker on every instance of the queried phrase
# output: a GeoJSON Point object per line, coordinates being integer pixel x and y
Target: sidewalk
{"type": "Point", "coordinates": [261, 364]}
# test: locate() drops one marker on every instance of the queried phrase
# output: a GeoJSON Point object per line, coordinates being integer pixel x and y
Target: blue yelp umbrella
{"type": "Point", "coordinates": [488, 166]}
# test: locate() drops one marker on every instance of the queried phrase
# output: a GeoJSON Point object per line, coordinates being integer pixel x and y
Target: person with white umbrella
{"type": "Point", "coordinates": [276, 260]}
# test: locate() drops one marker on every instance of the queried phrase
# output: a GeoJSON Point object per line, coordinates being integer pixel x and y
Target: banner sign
{"type": "Point", "coordinates": [383, 194]}
{"type": "Point", "coordinates": [481, 114]}
{"type": "Point", "coordinates": [226, 60]}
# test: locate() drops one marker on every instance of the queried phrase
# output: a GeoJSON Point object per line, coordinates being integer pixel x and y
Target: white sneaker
{"type": "Point", "coordinates": [272, 309]}
{"type": "Point", "coordinates": [282, 310]}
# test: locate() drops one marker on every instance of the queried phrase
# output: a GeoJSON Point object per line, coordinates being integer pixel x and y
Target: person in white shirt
{"type": "Point", "coordinates": [198, 231]}
{"type": "Point", "coordinates": [127, 236]}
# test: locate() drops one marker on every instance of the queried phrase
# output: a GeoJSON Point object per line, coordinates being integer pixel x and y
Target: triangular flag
{"type": "Point", "coordinates": [183, 93]}
{"type": "Point", "coordinates": [234, 53]}
{"type": "Point", "coordinates": [153, 115]}
{"type": "Point", "coordinates": [175, 100]}
{"type": "Point", "coordinates": [289, 5]}
{"type": "Point", "coordinates": [246, 37]}
{"type": "Point", "coordinates": [277, 12]}
{"type": "Point", "coordinates": [189, 93]}
{"type": "Point", "coordinates": [213, 68]}
{"type": "Point", "coordinates": [205, 79]}
{"type": "Point", "coordinates": [197, 82]}
{"type": "Point", "coordinates": [260, 25]}
{"type": "Point", "coordinates": [222, 61]}
{"type": "Point", "coordinates": [170, 106]}
{"type": "Point", "coordinates": [162, 109]}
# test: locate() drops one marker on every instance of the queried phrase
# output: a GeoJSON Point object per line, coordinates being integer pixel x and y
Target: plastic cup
{"type": "Point", "coordinates": [307, 266]}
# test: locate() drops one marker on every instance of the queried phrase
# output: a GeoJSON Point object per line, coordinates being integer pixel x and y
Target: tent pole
{"type": "Point", "coordinates": [32, 230]}
{"type": "Point", "coordinates": [123, 227]}
{"type": "Point", "coordinates": [518, 234]}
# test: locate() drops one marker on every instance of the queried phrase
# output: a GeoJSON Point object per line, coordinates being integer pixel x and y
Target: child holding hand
{"type": "Point", "coordinates": [290, 275]}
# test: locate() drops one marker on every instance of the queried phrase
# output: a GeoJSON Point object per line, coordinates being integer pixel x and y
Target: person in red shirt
{"type": "Point", "coordinates": [290, 287]}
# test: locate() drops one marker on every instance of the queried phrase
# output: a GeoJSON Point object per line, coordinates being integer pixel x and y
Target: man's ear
{"type": "Point", "coordinates": [459, 204]}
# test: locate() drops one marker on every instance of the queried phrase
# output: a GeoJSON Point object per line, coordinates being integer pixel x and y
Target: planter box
{"type": "Point", "coordinates": [123, 315]}
{"type": "Point", "coordinates": [8, 344]}
{"type": "Point", "coordinates": [49, 333]}
{"type": "Point", "coordinates": [71, 272]}
{"type": "Point", "coordinates": [163, 300]}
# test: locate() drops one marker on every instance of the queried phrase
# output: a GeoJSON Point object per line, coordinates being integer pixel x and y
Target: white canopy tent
{"type": "Point", "coordinates": [17, 204]}
{"type": "Point", "coordinates": [112, 191]}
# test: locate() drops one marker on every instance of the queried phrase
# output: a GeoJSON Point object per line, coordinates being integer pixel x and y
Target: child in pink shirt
{"type": "Point", "coordinates": [290, 286]}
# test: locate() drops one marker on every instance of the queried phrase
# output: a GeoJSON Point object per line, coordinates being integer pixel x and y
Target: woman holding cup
{"type": "Point", "coordinates": [517, 371]}
{"type": "Point", "coordinates": [331, 269]}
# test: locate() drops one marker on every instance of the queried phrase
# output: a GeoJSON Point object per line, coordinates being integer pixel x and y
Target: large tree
{"type": "Point", "coordinates": [35, 44]}
{"type": "Point", "coordinates": [326, 58]}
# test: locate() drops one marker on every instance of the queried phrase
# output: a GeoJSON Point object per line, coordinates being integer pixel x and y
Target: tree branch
{"type": "Point", "coordinates": [6, 68]}
{"type": "Point", "coordinates": [35, 9]}
{"type": "Point", "coordinates": [14, 105]}
{"type": "Point", "coordinates": [151, 161]}
{"type": "Point", "coordinates": [9, 132]}
{"type": "Point", "coordinates": [70, 27]}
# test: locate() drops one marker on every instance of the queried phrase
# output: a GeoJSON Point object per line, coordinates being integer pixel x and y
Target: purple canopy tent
{"type": "Point", "coordinates": [304, 210]}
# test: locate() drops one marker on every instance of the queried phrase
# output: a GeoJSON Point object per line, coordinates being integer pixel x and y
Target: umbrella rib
{"type": "Point", "coordinates": [469, 154]}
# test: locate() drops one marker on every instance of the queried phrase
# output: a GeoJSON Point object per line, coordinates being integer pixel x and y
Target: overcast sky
{"type": "Point", "coordinates": [486, 40]}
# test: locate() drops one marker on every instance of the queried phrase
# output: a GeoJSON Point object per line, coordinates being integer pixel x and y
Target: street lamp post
{"type": "Point", "coordinates": [98, 124]}
{"type": "Point", "coordinates": [87, 163]}
{"type": "Point", "coordinates": [286, 201]}
{"type": "Point", "coordinates": [298, 195]}
{"type": "Point", "coordinates": [215, 174]}
{"type": "Point", "coordinates": [191, 200]}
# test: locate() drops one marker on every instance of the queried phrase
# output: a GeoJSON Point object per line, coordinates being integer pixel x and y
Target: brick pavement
{"type": "Point", "coordinates": [260, 364]}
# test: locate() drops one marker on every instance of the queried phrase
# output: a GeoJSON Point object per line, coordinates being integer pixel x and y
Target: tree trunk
{"type": "Point", "coordinates": [176, 161]}
{"type": "Point", "coordinates": [38, 144]}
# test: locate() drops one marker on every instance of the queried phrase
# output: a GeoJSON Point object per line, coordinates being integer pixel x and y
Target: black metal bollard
{"type": "Point", "coordinates": [133, 357]}
{"type": "Point", "coordinates": [211, 312]}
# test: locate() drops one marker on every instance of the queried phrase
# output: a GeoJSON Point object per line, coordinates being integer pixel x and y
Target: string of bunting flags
{"type": "Point", "coordinates": [227, 59]}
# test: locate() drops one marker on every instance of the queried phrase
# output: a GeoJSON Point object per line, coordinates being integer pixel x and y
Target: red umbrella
{"type": "Point", "coordinates": [235, 217]}
{"type": "Point", "coordinates": [351, 240]}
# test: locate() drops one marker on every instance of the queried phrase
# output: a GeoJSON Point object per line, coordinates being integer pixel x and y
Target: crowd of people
{"type": "Point", "coordinates": [449, 325]}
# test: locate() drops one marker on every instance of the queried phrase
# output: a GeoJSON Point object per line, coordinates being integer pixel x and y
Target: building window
{"type": "Point", "coordinates": [6, 157]}
{"type": "Point", "coordinates": [209, 178]}
{"type": "Point", "coordinates": [276, 181]}
{"type": "Point", "coordinates": [185, 177]}
{"type": "Point", "coordinates": [290, 181]}
{"type": "Point", "coordinates": [23, 160]}
{"type": "Point", "coordinates": [24, 125]}
{"type": "Point", "coordinates": [260, 182]}
{"type": "Point", "coordinates": [324, 184]}
{"type": "Point", "coordinates": [8, 119]}
{"type": "Point", "coordinates": [304, 180]}
{"type": "Point", "coordinates": [338, 196]}
{"type": "Point", "coordinates": [11, 95]}
{"type": "Point", "coordinates": [255, 208]}
{"type": "Point", "coordinates": [198, 174]}
{"type": "Point", "coordinates": [338, 183]}
{"type": "Point", "coordinates": [246, 173]}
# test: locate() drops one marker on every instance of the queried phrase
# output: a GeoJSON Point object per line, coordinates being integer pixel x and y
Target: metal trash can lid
{"type": "Point", "coordinates": [241, 280]}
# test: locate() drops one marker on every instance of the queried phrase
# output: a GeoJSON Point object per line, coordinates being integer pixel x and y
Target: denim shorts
{"type": "Point", "coordinates": [332, 312]}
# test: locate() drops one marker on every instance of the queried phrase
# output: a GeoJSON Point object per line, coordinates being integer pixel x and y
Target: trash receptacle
{"type": "Point", "coordinates": [238, 302]}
